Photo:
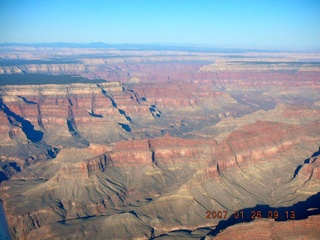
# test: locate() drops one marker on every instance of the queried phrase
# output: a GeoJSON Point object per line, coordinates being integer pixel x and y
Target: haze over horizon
{"type": "Point", "coordinates": [269, 24]}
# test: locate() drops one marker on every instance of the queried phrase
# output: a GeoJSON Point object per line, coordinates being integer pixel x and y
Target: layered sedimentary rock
{"type": "Point", "coordinates": [146, 178]}
{"type": "Point", "coordinates": [176, 135]}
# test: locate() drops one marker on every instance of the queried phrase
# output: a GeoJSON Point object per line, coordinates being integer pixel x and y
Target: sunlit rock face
{"type": "Point", "coordinates": [142, 144]}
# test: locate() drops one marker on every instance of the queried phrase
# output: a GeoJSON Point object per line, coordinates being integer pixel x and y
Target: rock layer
{"type": "Point", "coordinates": [166, 138]}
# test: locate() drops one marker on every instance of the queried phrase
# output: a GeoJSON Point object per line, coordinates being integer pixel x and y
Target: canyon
{"type": "Point", "coordinates": [140, 144]}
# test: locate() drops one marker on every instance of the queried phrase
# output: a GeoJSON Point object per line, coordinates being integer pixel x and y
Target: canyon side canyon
{"type": "Point", "coordinates": [159, 144]}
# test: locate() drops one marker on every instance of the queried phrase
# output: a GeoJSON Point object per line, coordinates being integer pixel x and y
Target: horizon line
{"type": "Point", "coordinates": [161, 46]}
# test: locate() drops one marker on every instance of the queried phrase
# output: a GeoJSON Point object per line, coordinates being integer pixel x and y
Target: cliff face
{"type": "Point", "coordinates": [172, 136]}
{"type": "Point", "coordinates": [104, 112]}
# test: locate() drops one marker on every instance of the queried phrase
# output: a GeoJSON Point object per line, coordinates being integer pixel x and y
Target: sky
{"type": "Point", "coordinates": [266, 24]}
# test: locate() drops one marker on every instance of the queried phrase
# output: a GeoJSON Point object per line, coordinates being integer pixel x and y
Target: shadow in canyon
{"type": "Point", "coordinates": [26, 126]}
{"type": "Point", "coordinates": [307, 161]}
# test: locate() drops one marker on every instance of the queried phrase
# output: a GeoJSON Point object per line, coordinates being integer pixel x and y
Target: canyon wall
{"type": "Point", "coordinates": [163, 138]}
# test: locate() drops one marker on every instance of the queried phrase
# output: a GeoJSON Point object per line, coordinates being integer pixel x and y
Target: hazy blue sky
{"type": "Point", "coordinates": [260, 23]}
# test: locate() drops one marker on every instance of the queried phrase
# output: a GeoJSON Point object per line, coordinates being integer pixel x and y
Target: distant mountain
{"type": "Point", "coordinates": [129, 46]}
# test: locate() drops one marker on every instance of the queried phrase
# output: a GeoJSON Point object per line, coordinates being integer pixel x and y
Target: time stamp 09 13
{"type": "Point", "coordinates": [274, 214]}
